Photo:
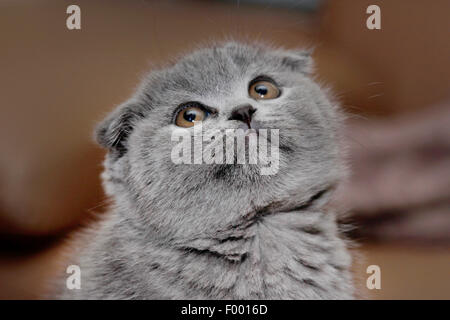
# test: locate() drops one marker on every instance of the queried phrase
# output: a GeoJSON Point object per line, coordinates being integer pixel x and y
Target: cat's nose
{"type": "Point", "coordinates": [243, 113]}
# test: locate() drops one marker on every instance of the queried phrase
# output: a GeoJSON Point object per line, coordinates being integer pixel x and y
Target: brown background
{"type": "Point", "coordinates": [56, 84]}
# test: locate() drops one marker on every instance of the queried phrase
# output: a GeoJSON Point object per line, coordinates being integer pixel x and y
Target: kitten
{"type": "Point", "coordinates": [220, 231]}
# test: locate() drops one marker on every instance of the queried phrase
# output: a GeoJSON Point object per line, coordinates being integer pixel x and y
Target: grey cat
{"type": "Point", "coordinates": [220, 231]}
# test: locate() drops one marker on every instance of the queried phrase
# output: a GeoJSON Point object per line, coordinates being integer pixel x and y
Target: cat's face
{"type": "Point", "coordinates": [227, 87]}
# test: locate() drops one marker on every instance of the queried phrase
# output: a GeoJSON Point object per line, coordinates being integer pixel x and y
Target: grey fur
{"type": "Point", "coordinates": [220, 231]}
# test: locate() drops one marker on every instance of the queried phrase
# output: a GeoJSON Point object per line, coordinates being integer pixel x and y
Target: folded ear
{"type": "Point", "coordinates": [298, 60]}
{"type": "Point", "coordinates": [113, 132]}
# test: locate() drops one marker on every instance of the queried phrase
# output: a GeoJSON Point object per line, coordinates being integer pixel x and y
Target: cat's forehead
{"type": "Point", "coordinates": [217, 66]}
{"type": "Point", "coordinates": [224, 58]}
{"type": "Point", "coordinates": [222, 69]}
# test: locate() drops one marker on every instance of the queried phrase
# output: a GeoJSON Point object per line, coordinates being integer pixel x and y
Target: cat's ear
{"type": "Point", "coordinates": [113, 131]}
{"type": "Point", "coordinates": [298, 60]}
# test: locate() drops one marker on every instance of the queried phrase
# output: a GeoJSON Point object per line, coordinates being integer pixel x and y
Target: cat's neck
{"type": "Point", "coordinates": [292, 255]}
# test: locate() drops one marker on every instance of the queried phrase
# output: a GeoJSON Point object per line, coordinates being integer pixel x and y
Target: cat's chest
{"type": "Point", "coordinates": [280, 263]}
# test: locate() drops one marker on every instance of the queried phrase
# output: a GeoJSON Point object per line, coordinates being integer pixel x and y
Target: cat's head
{"type": "Point", "coordinates": [226, 86]}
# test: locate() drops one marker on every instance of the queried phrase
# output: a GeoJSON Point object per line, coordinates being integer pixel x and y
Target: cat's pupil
{"type": "Point", "coordinates": [190, 115]}
{"type": "Point", "coordinates": [261, 89]}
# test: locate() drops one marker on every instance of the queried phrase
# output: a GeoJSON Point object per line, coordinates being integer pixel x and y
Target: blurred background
{"type": "Point", "coordinates": [394, 83]}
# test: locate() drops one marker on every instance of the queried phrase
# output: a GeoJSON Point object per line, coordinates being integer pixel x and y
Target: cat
{"type": "Point", "coordinates": [220, 231]}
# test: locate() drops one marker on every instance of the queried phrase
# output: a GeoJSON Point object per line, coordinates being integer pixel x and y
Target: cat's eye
{"type": "Point", "coordinates": [191, 114]}
{"type": "Point", "coordinates": [263, 88]}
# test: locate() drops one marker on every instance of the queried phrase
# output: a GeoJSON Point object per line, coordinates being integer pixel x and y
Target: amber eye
{"type": "Point", "coordinates": [188, 116]}
{"type": "Point", "coordinates": [263, 89]}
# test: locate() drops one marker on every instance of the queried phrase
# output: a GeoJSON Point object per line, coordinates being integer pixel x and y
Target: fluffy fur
{"type": "Point", "coordinates": [220, 231]}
